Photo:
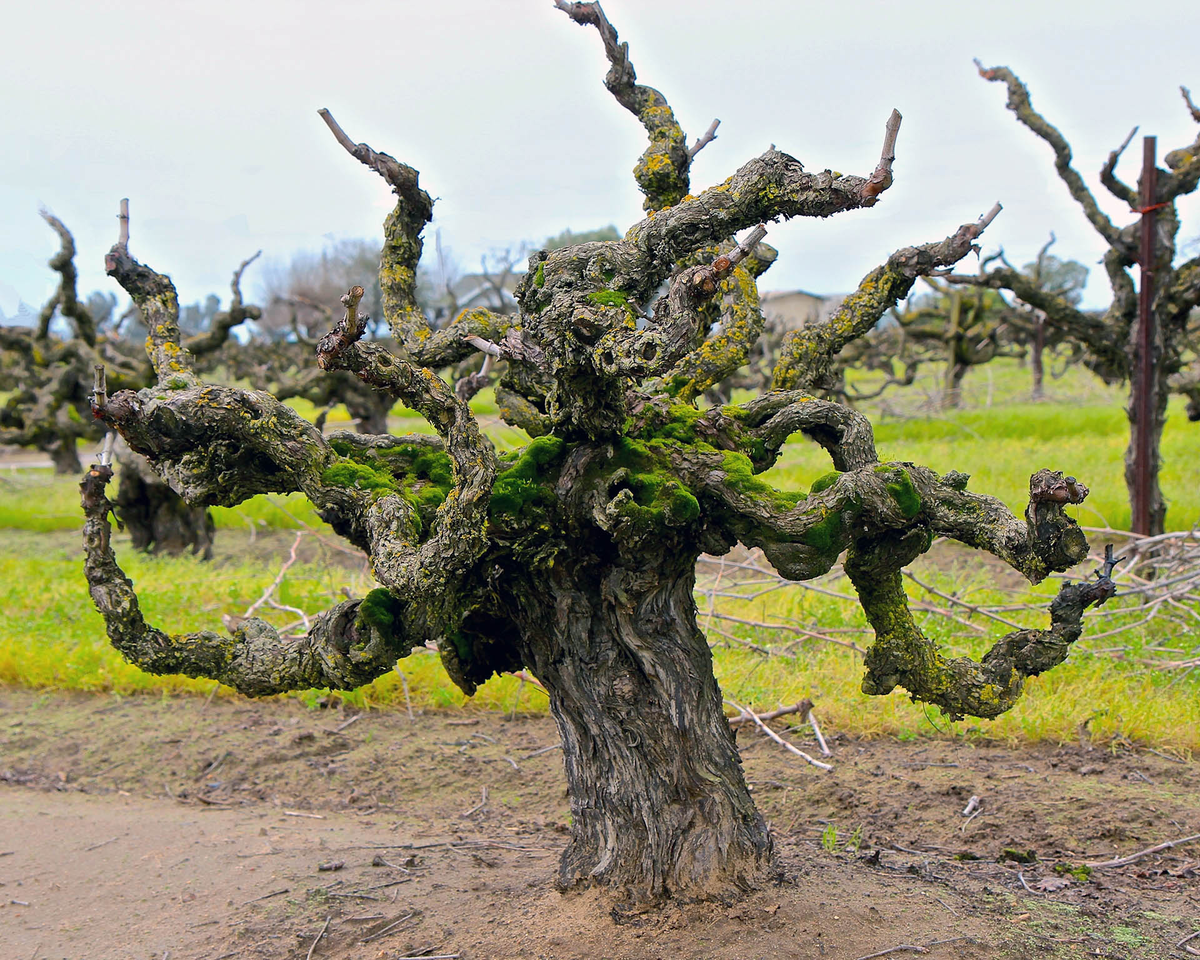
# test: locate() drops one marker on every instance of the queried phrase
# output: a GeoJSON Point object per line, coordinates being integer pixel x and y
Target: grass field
{"type": "Point", "coordinates": [1113, 687]}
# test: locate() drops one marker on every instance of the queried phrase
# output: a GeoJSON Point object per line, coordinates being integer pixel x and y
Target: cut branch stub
{"type": "Point", "coordinates": [881, 179]}
{"type": "Point", "coordinates": [348, 330]}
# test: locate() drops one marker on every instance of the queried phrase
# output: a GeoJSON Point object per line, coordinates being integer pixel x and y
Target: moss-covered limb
{"type": "Point", "coordinates": [1047, 541]}
{"type": "Point", "coordinates": [219, 445]}
{"type": "Point", "coordinates": [347, 646]}
{"type": "Point", "coordinates": [803, 537]}
{"type": "Point", "coordinates": [401, 238]}
{"type": "Point", "coordinates": [1020, 104]}
{"type": "Point", "coordinates": [807, 359]}
{"type": "Point", "coordinates": [459, 533]}
{"type": "Point", "coordinates": [517, 411]}
{"type": "Point", "coordinates": [154, 295]}
{"type": "Point", "coordinates": [66, 297]}
{"type": "Point", "coordinates": [662, 171]}
{"type": "Point", "coordinates": [347, 440]}
{"type": "Point", "coordinates": [450, 344]}
{"type": "Point", "coordinates": [1183, 164]}
{"type": "Point", "coordinates": [239, 312]}
{"type": "Point", "coordinates": [734, 311]}
{"type": "Point", "coordinates": [903, 656]}
{"type": "Point", "coordinates": [1104, 335]}
{"type": "Point", "coordinates": [844, 433]}
{"type": "Point", "coordinates": [769, 187]}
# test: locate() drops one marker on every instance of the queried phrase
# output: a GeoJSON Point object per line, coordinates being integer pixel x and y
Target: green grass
{"type": "Point", "coordinates": [51, 636]}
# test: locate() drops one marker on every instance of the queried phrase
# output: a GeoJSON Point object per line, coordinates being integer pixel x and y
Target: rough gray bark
{"type": "Point", "coordinates": [574, 557]}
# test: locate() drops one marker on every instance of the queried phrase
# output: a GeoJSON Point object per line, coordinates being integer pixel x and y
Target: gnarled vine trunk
{"type": "Point", "coordinates": [574, 556]}
{"type": "Point", "coordinates": [658, 800]}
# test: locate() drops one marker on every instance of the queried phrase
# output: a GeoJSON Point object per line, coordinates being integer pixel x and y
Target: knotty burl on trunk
{"type": "Point", "coordinates": [574, 557]}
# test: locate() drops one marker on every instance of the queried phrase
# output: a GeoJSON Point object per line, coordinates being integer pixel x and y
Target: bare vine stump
{"type": "Point", "coordinates": [65, 457]}
{"type": "Point", "coordinates": [158, 519]}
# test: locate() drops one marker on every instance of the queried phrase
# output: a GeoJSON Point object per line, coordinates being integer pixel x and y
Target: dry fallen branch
{"type": "Point", "coordinates": [776, 737]}
{"type": "Point", "coordinates": [308, 956]}
{"type": "Point", "coordinates": [802, 708]}
{"type": "Point", "coordinates": [1134, 857]}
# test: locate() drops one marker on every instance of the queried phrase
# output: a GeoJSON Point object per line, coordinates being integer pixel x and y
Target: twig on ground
{"type": "Point", "coordinates": [385, 930]}
{"type": "Point", "coordinates": [1124, 861]}
{"type": "Point", "coordinates": [211, 768]}
{"type": "Point", "coordinates": [802, 707]}
{"type": "Point", "coordinates": [1182, 944]}
{"type": "Point", "coordinates": [298, 813]}
{"type": "Point", "coordinates": [319, 936]}
{"type": "Point", "coordinates": [268, 896]}
{"type": "Point", "coordinates": [426, 955]}
{"type": "Point", "coordinates": [911, 948]}
{"type": "Point", "coordinates": [812, 721]}
{"type": "Point", "coordinates": [274, 585]}
{"type": "Point", "coordinates": [211, 693]}
{"type": "Point", "coordinates": [538, 753]}
{"type": "Point", "coordinates": [102, 843]}
{"type": "Point", "coordinates": [342, 726]}
{"type": "Point", "coordinates": [777, 738]}
{"type": "Point", "coordinates": [407, 698]}
{"type": "Point", "coordinates": [479, 806]}
{"type": "Point", "coordinates": [512, 714]}
{"type": "Point", "coordinates": [378, 861]}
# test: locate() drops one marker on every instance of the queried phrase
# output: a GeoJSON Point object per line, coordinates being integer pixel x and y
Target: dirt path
{"type": "Point", "coordinates": [144, 828]}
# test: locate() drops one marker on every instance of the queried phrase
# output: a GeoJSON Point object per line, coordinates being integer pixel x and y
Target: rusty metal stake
{"type": "Point", "coordinates": [1143, 395]}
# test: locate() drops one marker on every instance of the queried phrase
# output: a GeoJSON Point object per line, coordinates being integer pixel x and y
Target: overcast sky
{"type": "Point", "coordinates": [204, 115]}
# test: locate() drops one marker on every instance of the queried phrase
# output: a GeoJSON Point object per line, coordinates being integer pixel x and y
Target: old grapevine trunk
{"type": "Point", "coordinates": [658, 800]}
{"type": "Point", "coordinates": [574, 556]}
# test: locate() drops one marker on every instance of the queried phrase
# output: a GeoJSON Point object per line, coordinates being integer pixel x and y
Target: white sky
{"type": "Point", "coordinates": [203, 113]}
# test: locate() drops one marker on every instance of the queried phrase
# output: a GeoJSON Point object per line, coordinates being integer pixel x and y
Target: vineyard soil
{"type": "Point", "coordinates": [145, 827]}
